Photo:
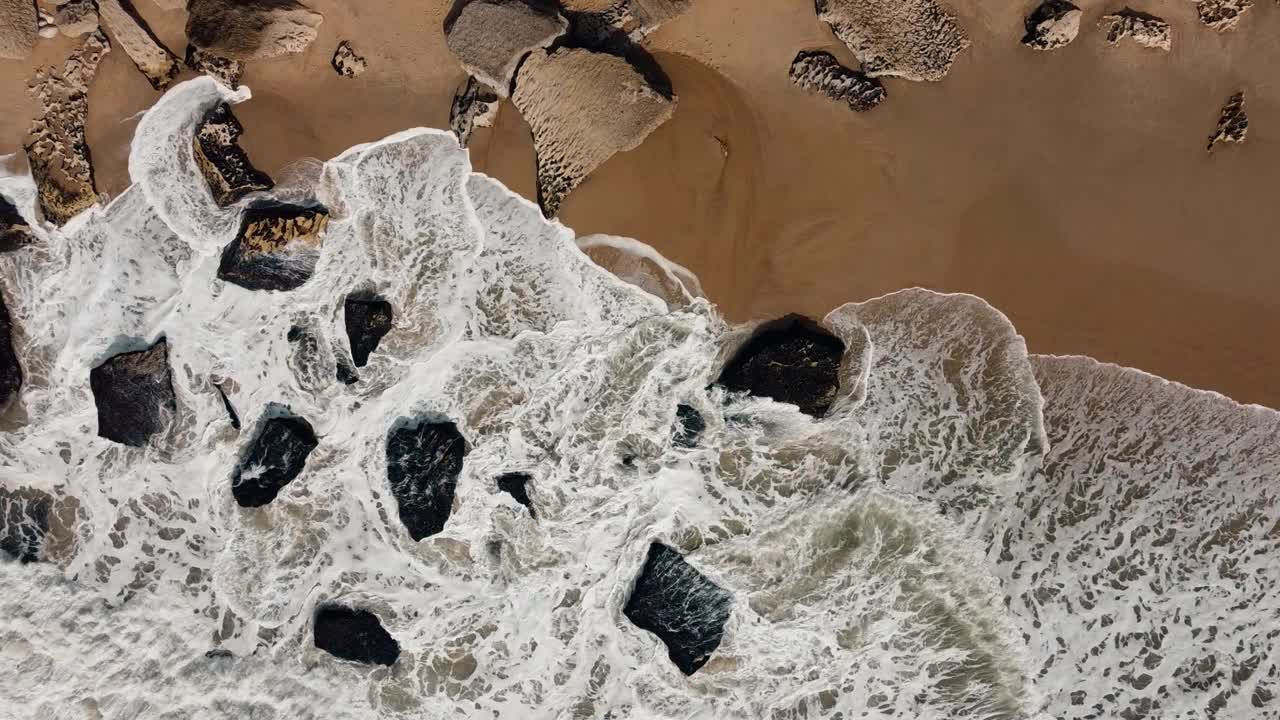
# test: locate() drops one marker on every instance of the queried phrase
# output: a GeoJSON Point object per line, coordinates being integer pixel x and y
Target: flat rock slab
{"type": "Point", "coordinates": [674, 601]}
{"type": "Point", "coordinates": [276, 249]}
{"type": "Point", "coordinates": [276, 456]}
{"type": "Point", "coordinates": [368, 319]}
{"type": "Point", "coordinates": [131, 32]}
{"type": "Point", "coordinates": [423, 465]}
{"type": "Point", "coordinates": [792, 360]}
{"type": "Point", "coordinates": [819, 71]}
{"type": "Point", "coordinates": [251, 29]}
{"type": "Point", "coordinates": [222, 162]}
{"type": "Point", "coordinates": [10, 368]}
{"type": "Point", "coordinates": [355, 635]}
{"type": "Point", "coordinates": [490, 37]}
{"type": "Point", "coordinates": [1054, 24]}
{"type": "Point", "coordinates": [516, 484]}
{"type": "Point", "coordinates": [911, 39]}
{"type": "Point", "coordinates": [688, 428]}
{"type": "Point", "coordinates": [133, 392]}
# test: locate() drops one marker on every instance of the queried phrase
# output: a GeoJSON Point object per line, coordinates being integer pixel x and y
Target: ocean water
{"type": "Point", "coordinates": [971, 532]}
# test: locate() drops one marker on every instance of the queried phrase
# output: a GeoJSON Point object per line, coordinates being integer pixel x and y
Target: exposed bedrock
{"type": "Point", "coordinates": [133, 392]}
{"type": "Point", "coordinates": [131, 32]}
{"type": "Point", "coordinates": [355, 635]}
{"type": "Point", "coordinates": [489, 37]}
{"type": "Point", "coordinates": [1054, 24]}
{"type": "Point", "coordinates": [1222, 15]}
{"type": "Point", "coordinates": [277, 247]}
{"type": "Point", "coordinates": [674, 601]}
{"type": "Point", "coordinates": [424, 460]}
{"type": "Point", "coordinates": [276, 456]}
{"type": "Point", "coordinates": [791, 360]}
{"type": "Point", "coordinates": [251, 29]}
{"type": "Point", "coordinates": [474, 105]}
{"type": "Point", "coordinates": [688, 427]}
{"type": "Point", "coordinates": [222, 162]}
{"type": "Point", "coordinates": [516, 484]}
{"type": "Point", "coordinates": [224, 70]}
{"type": "Point", "coordinates": [14, 230]}
{"type": "Point", "coordinates": [18, 25]}
{"type": "Point", "coordinates": [1233, 122]}
{"type": "Point", "coordinates": [819, 71]}
{"type": "Point", "coordinates": [583, 107]}
{"type": "Point", "coordinates": [346, 62]}
{"type": "Point", "coordinates": [10, 368]}
{"type": "Point", "coordinates": [24, 522]}
{"type": "Point", "coordinates": [1147, 30]}
{"type": "Point", "coordinates": [912, 39]}
{"type": "Point", "coordinates": [368, 319]}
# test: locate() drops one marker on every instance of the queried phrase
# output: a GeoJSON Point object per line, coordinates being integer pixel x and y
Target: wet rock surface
{"type": "Point", "coordinates": [424, 461]}
{"type": "Point", "coordinates": [231, 410]}
{"type": "Point", "coordinates": [222, 162]}
{"type": "Point", "coordinates": [688, 428]}
{"type": "Point", "coordinates": [275, 458]}
{"type": "Point", "coordinates": [490, 37]}
{"type": "Point", "coordinates": [17, 28]}
{"type": "Point", "coordinates": [1147, 30]}
{"type": "Point", "coordinates": [133, 35]}
{"type": "Point", "coordinates": [10, 368]}
{"type": "Point", "coordinates": [1054, 24]}
{"type": "Point", "coordinates": [516, 484]}
{"type": "Point", "coordinates": [251, 29]}
{"type": "Point", "coordinates": [276, 249]}
{"type": "Point", "coordinates": [24, 523]}
{"type": "Point", "coordinates": [1222, 15]}
{"type": "Point", "coordinates": [224, 70]}
{"type": "Point", "coordinates": [475, 105]}
{"type": "Point", "coordinates": [355, 635]}
{"type": "Point", "coordinates": [133, 392]}
{"type": "Point", "coordinates": [674, 601]}
{"type": "Point", "coordinates": [14, 230]}
{"type": "Point", "coordinates": [819, 71]}
{"type": "Point", "coordinates": [368, 319]}
{"type": "Point", "coordinates": [792, 360]}
{"type": "Point", "coordinates": [346, 62]}
{"type": "Point", "coordinates": [912, 39]}
{"type": "Point", "coordinates": [1233, 122]}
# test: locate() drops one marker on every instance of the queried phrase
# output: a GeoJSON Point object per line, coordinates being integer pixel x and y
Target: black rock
{"type": "Point", "coordinates": [231, 411]}
{"type": "Point", "coordinates": [10, 370]}
{"type": "Point", "coordinates": [134, 394]}
{"type": "Point", "coordinates": [14, 230]}
{"type": "Point", "coordinates": [345, 372]}
{"type": "Point", "coordinates": [791, 360]}
{"type": "Point", "coordinates": [674, 601]}
{"type": "Point", "coordinates": [276, 456]}
{"type": "Point", "coordinates": [689, 426]}
{"type": "Point", "coordinates": [24, 522]}
{"type": "Point", "coordinates": [423, 464]}
{"type": "Point", "coordinates": [222, 161]}
{"type": "Point", "coordinates": [820, 71]}
{"type": "Point", "coordinates": [516, 484]}
{"type": "Point", "coordinates": [355, 635]}
{"type": "Point", "coordinates": [277, 247]}
{"type": "Point", "coordinates": [368, 319]}
{"type": "Point", "coordinates": [474, 105]}
{"type": "Point", "coordinates": [224, 70]}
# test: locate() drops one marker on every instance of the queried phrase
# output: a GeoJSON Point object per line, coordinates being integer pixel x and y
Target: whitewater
{"type": "Point", "coordinates": [972, 531]}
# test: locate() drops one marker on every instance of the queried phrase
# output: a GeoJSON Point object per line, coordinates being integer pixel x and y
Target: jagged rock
{"type": "Point", "coordinates": [355, 635]}
{"type": "Point", "coordinates": [423, 464]}
{"type": "Point", "coordinates": [147, 53]}
{"type": "Point", "coordinates": [474, 105]}
{"type": "Point", "coordinates": [133, 392]}
{"type": "Point", "coordinates": [224, 70]}
{"type": "Point", "coordinates": [367, 319]}
{"type": "Point", "coordinates": [251, 29]}
{"type": "Point", "coordinates": [688, 428]}
{"type": "Point", "coordinates": [231, 410]}
{"type": "Point", "coordinates": [792, 360]}
{"type": "Point", "coordinates": [14, 230]}
{"type": "Point", "coordinates": [820, 72]}
{"type": "Point", "coordinates": [276, 456]}
{"type": "Point", "coordinates": [1233, 123]}
{"type": "Point", "coordinates": [584, 107]}
{"type": "Point", "coordinates": [18, 27]}
{"type": "Point", "coordinates": [674, 601]}
{"type": "Point", "coordinates": [276, 249]}
{"type": "Point", "coordinates": [346, 62]}
{"type": "Point", "coordinates": [223, 163]}
{"type": "Point", "coordinates": [1146, 30]}
{"type": "Point", "coordinates": [1222, 15]}
{"type": "Point", "coordinates": [489, 37]}
{"type": "Point", "coordinates": [58, 152]}
{"type": "Point", "coordinates": [912, 39]}
{"type": "Point", "coordinates": [516, 484]}
{"type": "Point", "coordinates": [10, 368]}
{"type": "Point", "coordinates": [76, 18]}
{"type": "Point", "coordinates": [1054, 24]}
{"type": "Point", "coordinates": [24, 522]}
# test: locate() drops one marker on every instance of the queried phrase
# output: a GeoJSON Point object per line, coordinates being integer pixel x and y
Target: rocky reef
{"type": "Point", "coordinates": [133, 35]}
{"type": "Point", "coordinates": [367, 319]}
{"type": "Point", "coordinates": [274, 459]}
{"type": "Point", "coordinates": [792, 360]}
{"type": "Point", "coordinates": [1053, 24]}
{"type": "Point", "coordinates": [1147, 30]}
{"type": "Point", "coordinates": [251, 29]}
{"type": "Point", "coordinates": [346, 62]}
{"type": "Point", "coordinates": [1233, 122]}
{"type": "Point", "coordinates": [490, 37]}
{"type": "Point", "coordinates": [222, 162]}
{"type": "Point", "coordinates": [14, 230]}
{"type": "Point", "coordinates": [424, 460]}
{"type": "Point", "coordinates": [819, 71]}
{"type": "Point", "coordinates": [674, 601]}
{"type": "Point", "coordinates": [516, 484]}
{"type": "Point", "coordinates": [133, 392]}
{"type": "Point", "coordinates": [276, 249]}
{"type": "Point", "coordinates": [10, 368]}
{"type": "Point", "coordinates": [912, 39]}
{"type": "Point", "coordinates": [355, 635]}
{"type": "Point", "coordinates": [474, 105]}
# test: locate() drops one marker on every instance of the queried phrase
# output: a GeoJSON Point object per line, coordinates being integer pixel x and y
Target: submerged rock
{"type": "Point", "coordinates": [276, 249]}
{"type": "Point", "coordinates": [674, 601]}
{"type": "Point", "coordinates": [516, 484]}
{"type": "Point", "coordinates": [792, 360]}
{"type": "Point", "coordinates": [275, 457]}
{"type": "Point", "coordinates": [132, 33]}
{"type": "Point", "coordinates": [10, 369]}
{"type": "Point", "coordinates": [912, 39]}
{"type": "Point", "coordinates": [346, 62]}
{"type": "Point", "coordinates": [1054, 24]}
{"type": "Point", "coordinates": [423, 464]}
{"type": "Point", "coordinates": [819, 71]}
{"type": "Point", "coordinates": [1233, 123]}
{"type": "Point", "coordinates": [224, 70]}
{"type": "Point", "coordinates": [355, 635]}
{"type": "Point", "coordinates": [474, 105]}
{"type": "Point", "coordinates": [24, 522]}
{"type": "Point", "coordinates": [1222, 15]}
{"type": "Point", "coordinates": [367, 319]}
{"type": "Point", "coordinates": [688, 428]}
{"type": "Point", "coordinates": [1146, 30]}
{"type": "Point", "coordinates": [231, 410]}
{"type": "Point", "coordinates": [14, 230]}
{"type": "Point", "coordinates": [222, 162]}
{"type": "Point", "coordinates": [490, 37]}
{"type": "Point", "coordinates": [18, 26]}
{"type": "Point", "coordinates": [251, 29]}
{"type": "Point", "coordinates": [76, 18]}
{"type": "Point", "coordinates": [133, 392]}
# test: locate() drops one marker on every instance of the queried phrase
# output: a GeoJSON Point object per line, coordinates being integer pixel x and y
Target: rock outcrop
{"type": "Point", "coordinates": [1054, 24]}
{"type": "Point", "coordinates": [24, 522]}
{"type": "Point", "coordinates": [1222, 15]}
{"type": "Point", "coordinates": [224, 70]}
{"type": "Point", "coordinates": [58, 152]}
{"type": "Point", "coordinates": [793, 360]}
{"type": "Point", "coordinates": [583, 107]}
{"type": "Point", "coordinates": [251, 29]}
{"type": "Point", "coordinates": [275, 457]}
{"type": "Point", "coordinates": [346, 62]}
{"type": "Point", "coordinates": [18, 26]}
{"type": "Point", "coordinates": [1233, 123]}
{"type": "Point", "coordinates": [688, 427]}
{"type": "Point", "coordinates": [368, 319]}
{"type": "Point", "coordinates": [10, 368]}
{"type": "Point", "coordinates": [133, 392]}
{"type": "Point", "coordinates": [222, 162]}
{"type": "Point", "coordinates": [912, 39]}
{"type": "Point", "coordinates": [355, 635]}
{"type": "Point", "coordinates": [819, 71]}
{"type": "Point", "coordinates": [674, 601]}
{"type": "Point", "coordinates": [276, 249]}
{"type": "Point", "coordinates": [490, 37]}
{"type": "Point", "coordinates": [474, 105]}
{"type": "Point", "coordinates": [1146, 30]}
{"type": "Point", "coordinates": [516, 484]}
{"type": "Point", "coordinates": [130, 31]}
{"type": "Point", "coordinates": [76, 18]}
{"type": "Point", "coordinates": [15, 232]}
{"type": "Point", "coordinates": [424, 461]}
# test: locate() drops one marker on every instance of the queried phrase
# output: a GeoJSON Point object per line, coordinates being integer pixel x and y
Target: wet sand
{"type": "Point", "coordinates": [1071, 189]}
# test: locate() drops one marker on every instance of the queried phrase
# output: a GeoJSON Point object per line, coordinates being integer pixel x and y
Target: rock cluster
{"type": "Point", "coordinates": [489, 37]}
{"type": "Point", "coordinates": [1222, 15]}
{"type": "Point", "coordinates": [1146, 30]}
{"type": "Point", "coordinates": [222, 162]}
{"type": "Point", "coordinates": [277, 247]}
{"type": "Point", "coordinates": [516, 484]}
{"type": "Point", "coordinates": [819, 71]}
{"type": "Point", "coordinates": [1233, 123]}
{"type": "Point", "coordinates": [355, 635]}
{"type": "Point", "coordinates": [133, 392]}
{"type": "Point", "coordinates": [275, 457]}
{"type": "Point", "coordinates": [224, 70]}
{"type": "Point", "coordinates": [14, 230]}
{"type": "Point", "coordinates": [367, 319]}
{"type": "Point", "coordinates": [1054, 24]}
{"type": "Point", "coordinates": [912, 39]}
{"type": "Point", "coordinates": [424, 461]}
{"type": "Point", "coordinates": [674, 601]}
{"type": "Point", "coordinates": [251, 29]}
{"type": "Point", "coordinates": [24, 522]}
{"type": "Point", "coordinates": [688, 428]}
{"type": "Point", "coordinates": [474, 105]}
{"type": "Point", "coordinates": [17, 28]}
{"type": "Point", "coordinates": [346, 62]}
{"type": "Point", "coordinates": [792, 360]}
{"type": "Point", "coordinates": [130, 31]}
{"type": "Point", "coordinates": [10, 368]}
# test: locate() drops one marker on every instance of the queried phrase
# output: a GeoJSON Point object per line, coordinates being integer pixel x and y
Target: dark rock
{"type": "Point", "coordinates": [231, 411]}
{"type": "Point", "coordinates": [14, 230]}
{"type": "Point", "coordinates": [224, 164]}
{"type": "Point", "coordinates": [674, 601]}
{"type": "Point", "coordinates": [134, 394]}
{"type": "Point", "coordinates": [355, 635]}
{"type": "Point", "coordinates": [345, 373]}
{"type": "Point", "coordinates": [367, 320]}
{"type": "Point", "coordinates": [792, 360]}
{"type": "Point", "coordinates": [1233, 123]}
{"type": "Point", "coordinates": [516, 485]}
{"type": "Point", "coordinates": [24, 522]}
{"type": "Point", "coordinates": [474, 105]}
{"type": "Point", "coordinates": [689, 426]}
{"type": "Point", "coordinates": [819, 71]}
{"type": "Point", "coordinates": [224, 70]}
{"type": "Point", "coordinates": [276, 456]}
{"type": "Point", "coordinates": [276, 249]}
{"type": "Point", "coordinates": [346, 62]}
{"type": "Point", "coordinates": [423, 464]}
{"type": "Point", "coordinates": [10, 368]}
{"type": "Point", "coordinates": [1054, 24]}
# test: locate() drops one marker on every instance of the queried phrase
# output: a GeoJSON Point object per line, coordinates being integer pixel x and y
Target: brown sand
{"type": "Point", "coordinates": [1071, 189]}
